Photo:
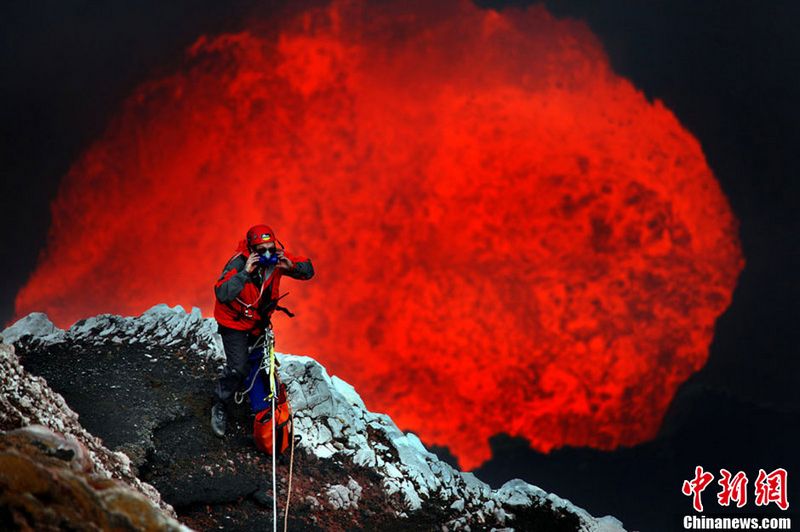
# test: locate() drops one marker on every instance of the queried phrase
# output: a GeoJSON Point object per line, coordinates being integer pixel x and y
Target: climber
{"type": "Point", "coordinates": [246, 296]}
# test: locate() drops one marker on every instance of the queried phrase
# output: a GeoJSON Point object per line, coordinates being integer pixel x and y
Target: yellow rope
{"type": "Point", "coordinates": [272, 368]}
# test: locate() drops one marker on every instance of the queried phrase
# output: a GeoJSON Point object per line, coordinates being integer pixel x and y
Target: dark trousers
{"type": "Point", "coordinates": [237, 349]}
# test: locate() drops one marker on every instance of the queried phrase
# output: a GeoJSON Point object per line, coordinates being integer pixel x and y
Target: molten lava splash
{"type": "Point", "coordinates": [508, 237]}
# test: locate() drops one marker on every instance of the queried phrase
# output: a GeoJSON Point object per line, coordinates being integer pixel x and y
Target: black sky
{"type": "Point", "coordinates": [729, 70]}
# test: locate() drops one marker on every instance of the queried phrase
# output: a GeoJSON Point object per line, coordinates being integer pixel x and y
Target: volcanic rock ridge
{"type": "Point", "coordinates": [143, 454]}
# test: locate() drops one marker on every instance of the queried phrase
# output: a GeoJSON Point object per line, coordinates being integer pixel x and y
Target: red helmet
{"type": "Point", "coordinates": [260, 234]}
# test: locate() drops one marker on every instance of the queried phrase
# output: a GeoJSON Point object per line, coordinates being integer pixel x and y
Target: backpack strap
{"type": "Point", "coordinates": [273, 305]}
{"type": "Point", "coordinates": [285, 311]}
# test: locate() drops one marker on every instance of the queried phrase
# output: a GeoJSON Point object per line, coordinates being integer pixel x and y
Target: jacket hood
{"type": "Point", "coordinates": [242, 248]}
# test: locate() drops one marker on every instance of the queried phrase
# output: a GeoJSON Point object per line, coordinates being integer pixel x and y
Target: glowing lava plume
{"type": "Point", "coordinates": [508, 237]}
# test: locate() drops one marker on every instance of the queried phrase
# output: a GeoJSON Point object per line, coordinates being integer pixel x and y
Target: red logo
{"type": "Point", "coordinates": [733, 489]}
{"type": "Point", "coordinates": [768, 487]}
{"type": "Point", "coordinates": [772, 488]}
{"type": "Point", "coordinates": [696, 486]}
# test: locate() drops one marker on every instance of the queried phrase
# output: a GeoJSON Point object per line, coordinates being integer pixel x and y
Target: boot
{"type": "Point", "coordinates": [219, 418]}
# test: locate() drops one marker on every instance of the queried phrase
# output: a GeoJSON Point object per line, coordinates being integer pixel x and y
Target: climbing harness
{"type": "Point", "coordinates": [238, 396]}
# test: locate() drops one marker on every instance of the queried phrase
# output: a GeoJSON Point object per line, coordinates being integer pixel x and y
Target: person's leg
{"type": "Point", "coordinates": [232, 375]}
{"type": "Point", "coordinates": [234, 372]}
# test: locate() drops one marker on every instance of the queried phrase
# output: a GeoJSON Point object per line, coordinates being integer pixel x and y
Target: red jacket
{"type": "Point", "coordinates": [243, 299]}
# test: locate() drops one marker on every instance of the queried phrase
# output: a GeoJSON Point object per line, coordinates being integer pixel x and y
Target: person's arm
{"type": "Point", "coordinates": [231, 282]}
{"type": "Point", "coordinates": [301, 267]}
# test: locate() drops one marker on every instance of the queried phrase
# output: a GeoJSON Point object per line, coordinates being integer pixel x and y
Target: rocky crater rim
{"type": "Point", "coordinates": [330, 417]}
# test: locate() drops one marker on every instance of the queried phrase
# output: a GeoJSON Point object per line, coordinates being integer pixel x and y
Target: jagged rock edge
{"type": "Point", "coordinates": [419, 474]}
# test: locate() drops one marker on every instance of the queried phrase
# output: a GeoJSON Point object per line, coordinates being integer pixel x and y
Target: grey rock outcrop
{"type": "Point", "coordinates": [353, 468]}
{"type": "Point", "coordinates": [335, 424]}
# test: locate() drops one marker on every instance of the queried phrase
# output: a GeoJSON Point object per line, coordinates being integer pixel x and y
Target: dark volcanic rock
{"type": "Point", "coordinates": [54, 474]}
{"type": "Point", "coordinates": [130, 392]}
{"type": "Point", "coordinates": [144, 386]}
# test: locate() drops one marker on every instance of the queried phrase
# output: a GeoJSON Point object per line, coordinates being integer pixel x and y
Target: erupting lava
{"type": "Point", "coordinates": [508, 237]}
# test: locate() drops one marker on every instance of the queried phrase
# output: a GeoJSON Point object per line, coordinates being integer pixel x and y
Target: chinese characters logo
{"type": "Point", "coordinates": [768, 488]}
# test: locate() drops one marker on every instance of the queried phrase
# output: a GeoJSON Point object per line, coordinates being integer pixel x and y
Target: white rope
{"type": "Point", "coordinates": [291, 463]}
{"type": "Point", "coordinates": [274, 483]}
{"type": "Point", "coordinates": [271, 354]}
{"type": "Point", "coordinates": [268, 364]}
